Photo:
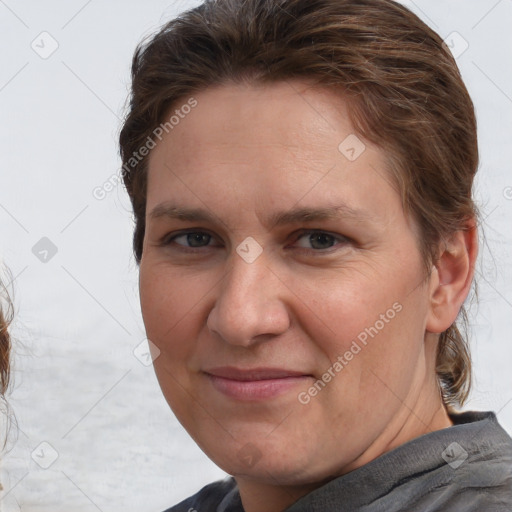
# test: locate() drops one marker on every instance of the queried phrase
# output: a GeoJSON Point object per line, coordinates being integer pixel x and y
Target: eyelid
{"type": "Point", "coordinates": [337, 237]}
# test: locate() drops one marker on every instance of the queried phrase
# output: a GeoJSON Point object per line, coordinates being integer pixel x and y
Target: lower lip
{"type": "Point", "coordinates": [255, 389]}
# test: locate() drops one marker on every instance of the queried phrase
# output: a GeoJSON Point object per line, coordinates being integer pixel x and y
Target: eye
{"type": "Point", "coordinates": [189, 240]}
{"type": "Point", "coordinates": [308, 240]}
{"type": "Point", "coordinates": [319, 240]}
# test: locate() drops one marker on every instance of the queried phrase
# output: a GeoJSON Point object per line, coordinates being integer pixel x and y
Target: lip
{"type": "Point", "coordinates": [253, 384]}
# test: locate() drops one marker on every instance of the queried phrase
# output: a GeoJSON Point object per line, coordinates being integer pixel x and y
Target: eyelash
{"type": "Point", "coordinates": [168, 240]}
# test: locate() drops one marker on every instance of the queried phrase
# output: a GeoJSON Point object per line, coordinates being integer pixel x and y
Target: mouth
{"type": "Point", "coordinates": [254, 384]}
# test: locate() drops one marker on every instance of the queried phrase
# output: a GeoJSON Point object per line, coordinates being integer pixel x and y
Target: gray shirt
{"type": "Point", "coordinates": [466, 467]}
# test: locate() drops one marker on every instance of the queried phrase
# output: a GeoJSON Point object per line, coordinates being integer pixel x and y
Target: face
{"type": "Point", "coordinates": [282, 284]}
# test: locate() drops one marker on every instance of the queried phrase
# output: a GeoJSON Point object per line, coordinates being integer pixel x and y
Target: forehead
{"type": "Point", "coordinates": [266, 147]}
{"type": "Point", "coordinates": [291, 114]}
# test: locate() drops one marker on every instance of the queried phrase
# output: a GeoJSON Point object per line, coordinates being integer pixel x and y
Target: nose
{"type": "Point", "coordinates": [249, 307]}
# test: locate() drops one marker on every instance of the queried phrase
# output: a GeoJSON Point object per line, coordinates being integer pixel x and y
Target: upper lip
{"type": "Point", "coordinates": [251, 374]}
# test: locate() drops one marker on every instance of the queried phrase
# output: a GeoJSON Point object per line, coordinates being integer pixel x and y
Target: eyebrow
{"type": "Point", "coordinates": [281, 218]}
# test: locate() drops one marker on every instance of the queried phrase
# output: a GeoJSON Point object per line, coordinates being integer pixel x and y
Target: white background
{"type": "Point", "coordinates": [77, 384]}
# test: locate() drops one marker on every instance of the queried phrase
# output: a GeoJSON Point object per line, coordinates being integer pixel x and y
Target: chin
{"type": "Point", "coordinates": [272, 464]}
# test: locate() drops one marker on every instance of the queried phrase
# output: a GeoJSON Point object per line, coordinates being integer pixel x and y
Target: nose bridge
{"type": "Point", "coordinates": [247, 288]}
{"type": "Point", "coordinates": [248, 303]}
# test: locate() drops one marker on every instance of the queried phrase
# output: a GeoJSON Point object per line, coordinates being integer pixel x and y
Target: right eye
{"type": "Point", "coordinates": [189, 241]}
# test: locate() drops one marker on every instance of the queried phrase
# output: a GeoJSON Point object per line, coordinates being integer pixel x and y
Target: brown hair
{"type": "Point", "coordinates": [6, 314]}
{"type": "Point", "coordinates": [5, 341]}
{"type": "Point", "coordinates": [406, 95]}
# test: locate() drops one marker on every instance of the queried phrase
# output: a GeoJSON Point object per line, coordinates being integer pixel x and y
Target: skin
{"type": "Point", "coordinates": [244, 153]}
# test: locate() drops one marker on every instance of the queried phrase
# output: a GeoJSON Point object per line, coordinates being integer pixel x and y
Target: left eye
{"type": "Point", "coordinates": [319, 240]}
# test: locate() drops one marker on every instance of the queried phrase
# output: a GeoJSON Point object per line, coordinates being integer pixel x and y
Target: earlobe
{"type": "Point", "coordinates": [451, 277]}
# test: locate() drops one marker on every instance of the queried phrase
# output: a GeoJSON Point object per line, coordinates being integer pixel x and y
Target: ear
{"type": "Point", "coordinates": [451, 277]}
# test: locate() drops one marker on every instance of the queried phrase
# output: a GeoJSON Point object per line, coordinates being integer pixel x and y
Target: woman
{"type": "Point", "coordinates": [301, 176]}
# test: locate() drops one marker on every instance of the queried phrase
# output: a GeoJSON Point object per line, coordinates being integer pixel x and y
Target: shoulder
{"type": "Point", "coordinates": [477, 471]}
{"type": "Point", "coordinates": [482, 465]}
{"type": "Point", "coordinates": [466, 467]}
{"type": "Point", "coordinates": [210, 497]}
{"type": "Point", "coordinates": [482, 436]}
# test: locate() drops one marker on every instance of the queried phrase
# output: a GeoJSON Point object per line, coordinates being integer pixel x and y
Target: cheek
{"type": "Point", "coordinates": [169, 305]}
{"type": "Point", "coordinates": [377, 320]}
{"type": "Point", "coordinates": [345, 308]}
{"type": "Point", "coordinates": [378, 333]}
